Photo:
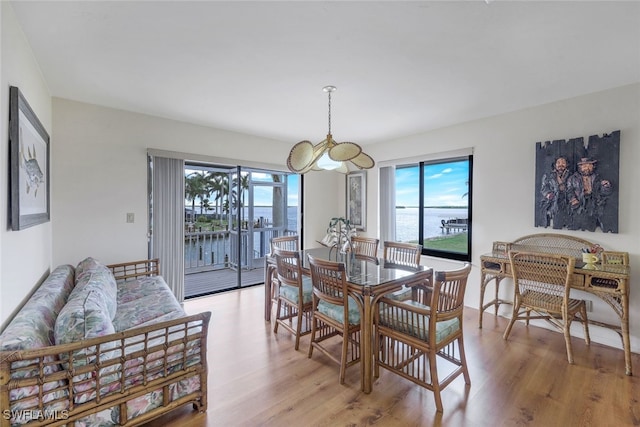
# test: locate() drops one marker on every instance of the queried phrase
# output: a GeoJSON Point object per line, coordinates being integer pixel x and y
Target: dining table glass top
{"type": "Point", "coordinates": [363, 270]}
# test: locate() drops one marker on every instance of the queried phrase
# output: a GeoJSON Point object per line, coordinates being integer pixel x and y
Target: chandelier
{"type": "Point", "coordinates": [327, 154]}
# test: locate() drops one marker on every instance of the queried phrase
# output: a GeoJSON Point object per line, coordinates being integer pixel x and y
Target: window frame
{"type": "Point", "coordinates": [421, 167]}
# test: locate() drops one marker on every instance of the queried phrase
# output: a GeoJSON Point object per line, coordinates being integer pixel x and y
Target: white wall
{"type": "Point", "coordinates": [100, 174]}
{"type": "Point", "coordinates": [503, 180]}
{"type": "Point", "coordinates": [25, 255]}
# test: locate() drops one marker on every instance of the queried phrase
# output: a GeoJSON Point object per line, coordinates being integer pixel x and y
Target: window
{"type": "Point", "coordinates": [433, 206]}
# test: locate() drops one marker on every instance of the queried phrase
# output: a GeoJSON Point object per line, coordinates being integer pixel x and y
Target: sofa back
{"type": "Point", "coordinates": [33, 325]}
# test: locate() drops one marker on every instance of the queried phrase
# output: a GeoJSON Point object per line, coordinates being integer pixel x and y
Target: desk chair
{"type": "Point", "coordinates": [542, 283]}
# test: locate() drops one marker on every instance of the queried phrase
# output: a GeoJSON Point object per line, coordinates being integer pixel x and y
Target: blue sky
{"type": "Point", "coordinates": [445, 184]}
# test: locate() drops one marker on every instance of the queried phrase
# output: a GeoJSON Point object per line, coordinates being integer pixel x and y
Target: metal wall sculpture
{"type": "Point", "coordinates": [577, 183]}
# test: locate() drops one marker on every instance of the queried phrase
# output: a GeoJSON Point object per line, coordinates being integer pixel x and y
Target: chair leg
{"type": "Point", "coordinates": [463, 361]}
{"type": "Point", "coordinates": [298, 328]}
{"type": "Point", "coordinates": [585, 323]}
{"type": "Point", "coordinates": [514, 316]}
{"type": "Point", "coordinates": [314, 324]}
{"type": "Point", "coordinates": [567, 336]}
{"type": "Point", "coordinates": [343, 358]}
{"type": "Point", "coordinates": [435, 383]}
{"type": "Point", "coordinates": [278, 308]}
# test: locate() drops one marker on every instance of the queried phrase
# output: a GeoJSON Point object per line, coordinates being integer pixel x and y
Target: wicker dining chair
{"type": "Point", "coordinates": [611, 257]}
{"type": "Point", "coordinates": [411, 336]}
{"type": "Point", "coordinates": [542, 284]}
{"type": "Point", "coordinates": [287, 243]}
{"type": "Point", "coordinates": [366, 246]}
{"type": "Point", "coordinates": [294, 299]}
{"type": "Point", "coordinates": [402, 253]}
{"type": "Point", "coordinates": [335, 313]}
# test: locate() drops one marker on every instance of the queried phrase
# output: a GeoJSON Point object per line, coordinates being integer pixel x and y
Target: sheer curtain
{"type": "Point", "coordinates": [167, 220]}
{"type": "Point", "coordinates": [387, 203]}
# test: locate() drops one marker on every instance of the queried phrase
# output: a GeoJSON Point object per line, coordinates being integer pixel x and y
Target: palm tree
{"type": "Point", "coordinates": [192, 190]}
{"type": "Point", "coordinates": [196, 187]}
{"type": "Point", "coordinates": [244, 185]}
{"type": "Point", "coordinates": [219, 187]}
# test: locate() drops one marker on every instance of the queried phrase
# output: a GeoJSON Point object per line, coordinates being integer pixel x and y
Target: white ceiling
{"type": "Point", "coordinates": [401, 68]}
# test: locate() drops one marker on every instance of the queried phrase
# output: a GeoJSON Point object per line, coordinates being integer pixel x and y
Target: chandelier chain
{"type": "Point", "coordinates": [329, 93]}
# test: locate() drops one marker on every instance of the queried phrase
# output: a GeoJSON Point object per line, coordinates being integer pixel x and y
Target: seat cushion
{"type": "Point", "coordinates": [416, 324]}
{"type": "Point", "coordinates": [153, 301]}
{"type": "Point", "coordinates": [291, 292]}
{"type": "Point", "coordinates": [336, 312]}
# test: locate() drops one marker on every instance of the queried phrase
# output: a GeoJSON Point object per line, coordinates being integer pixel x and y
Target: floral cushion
{"type": "Point", "coordinates": [83, 318]}
{"type": "Point", "coordinates": [92, 275]}
{"type": "Point", "coordinates": [336, 312]}
{"type": "Point", "coordinates": [291, 292]}
{"type": "Point", "coordinates": [154, 300]}
{"type": "Point", "coordinates": [32, 327]}
{"type": "Point", "coordinates": [79, 320]}
{"type": "Point", "coordinates": [414, 324]}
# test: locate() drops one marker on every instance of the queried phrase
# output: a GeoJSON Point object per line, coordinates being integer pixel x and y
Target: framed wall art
{"type": "Point", "coordinates": [357, 199]}
{"type": "Point", "coordinates": [29, 160]}
{"type": "Point", "coordinates": [577, 183]}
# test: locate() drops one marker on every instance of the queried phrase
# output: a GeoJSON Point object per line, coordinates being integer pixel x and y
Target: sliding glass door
{"type": "Point", "coordinates": [231, 214]}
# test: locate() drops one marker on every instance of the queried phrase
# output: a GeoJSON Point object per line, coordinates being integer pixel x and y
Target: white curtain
{"type": "Point", "coordinates": [387, 204]}
{"type": "Point", "coordinates": [167, 225]}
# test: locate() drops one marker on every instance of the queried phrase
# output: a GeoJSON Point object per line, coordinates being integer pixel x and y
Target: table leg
{"type": "Point", "coordinates": [484, 281]}
{"type": "Point", "coordinates": [626, 342]}
{"type": "Point", "coordinates": [267, 291]}
{"type": "Point", "coordinates": [366, 333]}
{"type": "Point", "coordinates": [483, 288]}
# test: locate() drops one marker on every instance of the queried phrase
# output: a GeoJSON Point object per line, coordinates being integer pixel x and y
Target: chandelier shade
{"type": "Point", "coordinates": [327, 154]}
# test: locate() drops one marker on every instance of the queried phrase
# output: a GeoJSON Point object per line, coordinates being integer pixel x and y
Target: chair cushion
{"type": "Point", "coordinates": [291, 292]}
{"type": "Point", "coordinates": [410, 323]}
{"type": "Point", "coordinates": [336, 312]}
{"type": "Point", "coordinates": [403, 294]}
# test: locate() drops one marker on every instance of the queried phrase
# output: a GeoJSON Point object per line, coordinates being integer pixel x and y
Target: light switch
{"type": "Point", "coordinates": [130, 217]}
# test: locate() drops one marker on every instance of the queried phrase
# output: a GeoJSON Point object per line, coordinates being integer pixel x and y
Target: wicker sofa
{"type": "Point", "coordinates": [100, 345]}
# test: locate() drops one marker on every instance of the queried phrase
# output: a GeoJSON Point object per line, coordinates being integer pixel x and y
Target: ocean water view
{"type": "Point", "coordinates": [406, 219]}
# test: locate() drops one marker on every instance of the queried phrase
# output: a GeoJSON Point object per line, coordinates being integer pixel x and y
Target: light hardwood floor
{"type": "Point", "coordinates": [256, 378]}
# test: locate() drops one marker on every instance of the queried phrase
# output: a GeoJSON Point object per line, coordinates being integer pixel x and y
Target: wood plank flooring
{"type": "Point", "coordinates": [256, 378]}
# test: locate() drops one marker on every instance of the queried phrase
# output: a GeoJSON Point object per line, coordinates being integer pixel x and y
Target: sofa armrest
{"type": "Point", "coordinates": [134, 269]}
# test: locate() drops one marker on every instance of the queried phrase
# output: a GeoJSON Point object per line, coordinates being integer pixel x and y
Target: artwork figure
{"type": "Point", "coordinates": [554, 203]}
{"type": "Point", "coordinates": [29, 163]}
{"type": "Point", "coordinates": [588, 194]}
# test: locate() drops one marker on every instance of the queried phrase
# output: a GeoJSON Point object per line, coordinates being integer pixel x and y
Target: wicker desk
{"type": "Point", "coordinates": [609, 282]}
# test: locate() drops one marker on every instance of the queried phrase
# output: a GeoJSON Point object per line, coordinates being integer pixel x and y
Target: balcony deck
{"type": "Point", "coordinates": [208, 282]}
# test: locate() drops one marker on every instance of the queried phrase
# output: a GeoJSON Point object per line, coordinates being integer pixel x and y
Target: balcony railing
{"type": "Point", "coordinates": [212, 250]}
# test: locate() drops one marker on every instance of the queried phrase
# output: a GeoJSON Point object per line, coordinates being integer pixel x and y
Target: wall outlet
{"type": "Point", "coordinates": [131, 217]}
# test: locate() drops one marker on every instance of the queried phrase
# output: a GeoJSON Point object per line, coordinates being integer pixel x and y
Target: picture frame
{"type": "Point", "coordinates": [29, 164]}
{"type": "Point", "coordinates": [357, 199]}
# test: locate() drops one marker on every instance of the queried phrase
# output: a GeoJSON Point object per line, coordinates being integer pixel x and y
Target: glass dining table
{"type": "Point", "coordinates": [368, 279]}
